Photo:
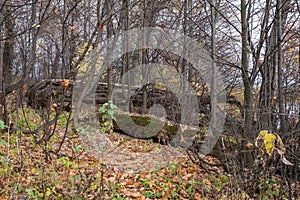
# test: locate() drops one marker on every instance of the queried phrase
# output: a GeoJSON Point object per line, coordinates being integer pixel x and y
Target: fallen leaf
{"type": "Point", "coordinates": [65, 83]}
{"type": "Point", "coordinates": [249, 145]}
{"type": "Point", "coordinates": [191, 170]}
{"type": "Point", "coordinates": [133, 194]}
{"type": "Point", "coordinates": [72, 28]}
{"type": "Point", "coordinates": [25, 88]}
{"type": "Point", "coordinates": [294, 120]}
{"type": "Point", "coordinates": [144, 48]}
{"type": "Point", "coordinates": [53, 107]}
{"type": "Point", "coordinates": [3, 198]}
{"type": "Point", "coordinates": [59, 187]}
{"type": "Point", "coordinates": [285, 161]}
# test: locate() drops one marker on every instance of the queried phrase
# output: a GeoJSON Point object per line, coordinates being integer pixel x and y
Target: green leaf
{"type": "Point", "coordinates": [110, 112]}
{"type": "Point", "coordinates": [113, 106]}
{"type": "Point", "coordinates": [2, 125]}
{"type": "Point", "coordinates": [13, 151]}
{"type": "Point", "coordinates": [189, 190]}
{"type": "Point", "coordinates": [48, 192]}
{"type": "Point", "coordinates": [2, 142]}
{"type": "Point", "coordinates": [77, 149]}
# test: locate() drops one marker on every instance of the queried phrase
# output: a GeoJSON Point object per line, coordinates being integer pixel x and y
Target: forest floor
{"type": "Point", "coordinates": [133, 169]}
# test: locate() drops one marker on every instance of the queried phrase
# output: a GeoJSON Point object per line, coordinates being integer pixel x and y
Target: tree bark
{"type": "Point", "coordinates": [248, 96]}
{"type": "Point", "coordinates": [279, 69]}
{"type": "Point", "coordinates": [2, 92]}
{"type": "Point", "coordinates": [110, 28]}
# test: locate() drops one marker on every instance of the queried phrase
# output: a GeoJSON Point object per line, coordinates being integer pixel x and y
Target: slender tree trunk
{"type": "Point", "coordinates": [248, 96]}
{"type": "Point", "coordinates": [7, 57]}
{"type": "Point", "coordinates": [34, 33]}
{"type": "Point", "coordinates": [124, 17]}
{"type": "Point", "coordinates": [213, 84]}
{"type": "Point", "coordinates": [146, 23]}
{"type": "Point", "coordinates": [2, 93]}
{"type": "Point", "coordinates": [55, 63]}
{"type": "Point", "coordinates": [109, 10]}
{"type": "Point", "coordinates": [272, 68]}
{"type": "Point", "coordinates": [74, 35]}
{"type": "Point", "coordinates": [186, 24]}
{"type": "Point", "coordinates": [279, 69]}
{"type": "Point", "coordinates": [8, 48]}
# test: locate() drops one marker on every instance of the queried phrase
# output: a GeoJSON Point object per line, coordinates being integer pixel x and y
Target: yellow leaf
{"type": "Point", "coordinates": [269, 141]}
{"type": "Point", "coordinates": [262, 134]}
{"type": "Point", "coordinates": [35, 171]}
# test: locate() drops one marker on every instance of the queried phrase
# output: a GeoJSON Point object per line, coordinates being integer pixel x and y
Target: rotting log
{"type": "Point", "coordinates": [43, 94]}
{"type": "Point", "coordinates": [46, 92]}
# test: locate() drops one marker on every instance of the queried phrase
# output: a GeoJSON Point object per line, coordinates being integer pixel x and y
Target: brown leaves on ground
{"type": "Point", "coordinates": [26, 173]}
{"type": "Point", "coordinates": [74, 173]}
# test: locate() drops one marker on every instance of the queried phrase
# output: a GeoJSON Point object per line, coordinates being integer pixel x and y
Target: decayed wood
{"type": "Point", "coordinates": [44, 93]}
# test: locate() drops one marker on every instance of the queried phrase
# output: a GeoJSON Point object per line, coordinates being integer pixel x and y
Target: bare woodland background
{"type": "Point", "coordinates": [256, 45]}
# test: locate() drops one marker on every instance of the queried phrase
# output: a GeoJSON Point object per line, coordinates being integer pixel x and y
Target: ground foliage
{"type": "Point", "coordinates": [61, 167]}
{"type": "Point", "coordinates": [25, 173]}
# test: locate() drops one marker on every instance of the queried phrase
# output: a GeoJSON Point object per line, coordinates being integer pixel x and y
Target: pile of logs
{"type": "Point", "coordinates": [44, 93]}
